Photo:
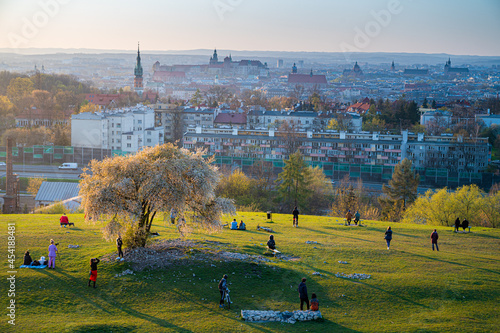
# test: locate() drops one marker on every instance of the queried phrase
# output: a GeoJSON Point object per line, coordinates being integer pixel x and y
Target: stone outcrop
{"type": "Point", "coordinates": [285, 316]}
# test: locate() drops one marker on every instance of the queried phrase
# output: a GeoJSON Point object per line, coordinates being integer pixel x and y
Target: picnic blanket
{"type": "Point", "coordinates": [30, 266]}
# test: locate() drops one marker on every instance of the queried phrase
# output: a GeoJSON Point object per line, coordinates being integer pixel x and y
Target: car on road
{"type": "Point", "coordinates": [3, 164]}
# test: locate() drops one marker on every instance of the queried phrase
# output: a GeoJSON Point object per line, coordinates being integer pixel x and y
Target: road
{"type": "Point", "coordinates": [49, 171]}
{"type": "Point", "coordinates": [45, 171]}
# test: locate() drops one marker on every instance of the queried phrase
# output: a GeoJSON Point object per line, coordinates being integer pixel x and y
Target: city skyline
{"type": "Point", "coordinates": [453, 27]}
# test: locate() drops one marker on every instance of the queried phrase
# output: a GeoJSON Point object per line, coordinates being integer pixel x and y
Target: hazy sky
{"type": "Point", "coordinates": [429, 26]}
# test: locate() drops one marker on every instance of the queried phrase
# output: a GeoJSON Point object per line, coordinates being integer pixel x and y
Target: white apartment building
{"type": "Point", "coordinates": [127, 129]}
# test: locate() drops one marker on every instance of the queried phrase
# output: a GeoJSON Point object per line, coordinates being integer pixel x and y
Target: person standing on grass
{"type": "Point", "coordinates": [222, 290]}
{"type": "Point", "coordinates": [173, 215]}
{"type": "Point", "coordinates": [93, 270]}
{"type": "Point", "coordinates": [457, 224]}
{"type": "Point", "coordinates": [52, 254]}
{"type": "Point", "coordinates": [434, 239]}
{"type": "Point", "coordinates": [295, 214]}
{"type": "Point", "coordinates": [119, 244]}
{"type": "Point", "coordinates": [304, 298]}
{"type": "Point", "coordinates": [388, 237]}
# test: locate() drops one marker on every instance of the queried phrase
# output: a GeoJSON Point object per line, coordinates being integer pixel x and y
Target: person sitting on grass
{"type": "Point", "coordinates": [242, 225]}
{"type": "Point", "coordinates": [27, 258]}
{"type": "Point", "coordinates": [314, 302]}
{"type": "Point", "coordinates": [234, 225]}
{"type": "Point", "coordinates": [64, 220]}
{"type": "Point", "coordinates": [271, 244]}
{"type": "Point", "coordinates": [93, 270]}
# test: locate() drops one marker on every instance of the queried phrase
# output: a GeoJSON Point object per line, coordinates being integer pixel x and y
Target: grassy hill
{"type": "Point", "coordinates": [411, 289]}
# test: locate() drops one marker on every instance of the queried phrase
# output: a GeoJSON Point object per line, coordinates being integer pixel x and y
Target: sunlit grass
{"type": "Point", "coordinates": [411, 289]}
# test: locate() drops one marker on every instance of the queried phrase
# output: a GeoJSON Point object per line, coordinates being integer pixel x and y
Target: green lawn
{"type": "Point", "coordinates": [411, 289]}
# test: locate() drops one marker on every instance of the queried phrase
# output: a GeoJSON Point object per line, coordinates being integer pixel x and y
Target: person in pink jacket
{"type": "Point", "coordinates": [52, 254]}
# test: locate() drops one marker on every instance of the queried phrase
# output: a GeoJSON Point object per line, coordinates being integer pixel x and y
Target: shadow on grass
{"type": "Point", "coordinates": [454, 263]}
{"type": "Point", "coordinates": [387, 292]}
{"type": "Point", "coordinates": [132, 312]}
{"type": "Point", "coordinates": [314, 230]}
{"type": "Point", "coordinates": [482, 235]}
{"type": "Point", "coordinates": [71, 284]}
{"type": "Point", "coordinates": [103, 328]}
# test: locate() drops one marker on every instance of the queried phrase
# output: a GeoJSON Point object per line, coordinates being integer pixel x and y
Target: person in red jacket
{"type": "Point", "coordinates": [64, 220]}
{"type": "Point", "coordinates": [434, 239]}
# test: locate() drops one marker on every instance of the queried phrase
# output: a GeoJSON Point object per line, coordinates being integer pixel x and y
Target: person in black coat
{"type": "Point", "coordinates": [465, 224]}
{"type": "Point", "coordinates": [388, 237]}
{"type": "Point", "coordinates": [304, 298]}
{"type": "Point", "coordinates": [457, 224]}
{"type": "Point", "coordinates": [295, 214]}
{"type": "Point", "coordinates": [119, 244]}
{"type": "Point", "coordinates": [27, 258]}
{"type": "Point", "coordinates": [434, 239]}
{"type": "Point", "coordinates": [271, 243]}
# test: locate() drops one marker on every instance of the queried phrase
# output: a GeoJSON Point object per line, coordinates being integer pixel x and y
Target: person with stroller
{"type": "Point", "coordinates": [222, 290]}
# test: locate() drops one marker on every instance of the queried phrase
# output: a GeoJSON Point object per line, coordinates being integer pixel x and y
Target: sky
{"type": "Point", "coordinates": [461, 27]}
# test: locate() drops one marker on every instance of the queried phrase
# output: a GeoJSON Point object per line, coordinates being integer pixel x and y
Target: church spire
{"type": "Point", "coordinates": [138, 85]}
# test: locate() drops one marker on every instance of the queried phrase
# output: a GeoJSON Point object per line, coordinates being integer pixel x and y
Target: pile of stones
{"type": "Point", "coordinates": [311, 242]}
{"type": "Point", "coordinates": [242, 256]}
{"type": "Point", "coordinates": [285, 317]}
{"type": "Point", "coordinates": [73, 246]}
{"type": "Point", "coordinates": [318, 273]}
{"type": "Point", "coordinates": [125, 272]}
{"type": "Point", "coordinates": [353, 276]}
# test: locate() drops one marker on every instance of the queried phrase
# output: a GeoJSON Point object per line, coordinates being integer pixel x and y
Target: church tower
{"type": "Point", "coordinates": [294, 69]}
{"type": "Point", "coordinates": [393, 68]}
{"type": "Point", "coordinates": [138, 85]}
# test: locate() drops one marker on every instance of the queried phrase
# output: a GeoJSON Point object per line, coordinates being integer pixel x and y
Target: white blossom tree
{"type": "Point", "coordinates": [155, 179]}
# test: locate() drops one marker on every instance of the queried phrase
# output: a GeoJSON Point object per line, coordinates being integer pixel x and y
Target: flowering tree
{"type": "Point", "coordinates": [155, 179]}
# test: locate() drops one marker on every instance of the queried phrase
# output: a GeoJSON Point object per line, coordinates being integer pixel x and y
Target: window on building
{"type": "Point", "coordinates": [139, 121]}
{"type": "Point", "coordinates": [149, 132]}
{"type": "Point", "coordinates": [118, 125]}
{"type": "Point", "coordinates": [129, 137]}
{"type": "Point", "coordinates": [129, 145]}
{"type": "Point", "coordinates": [148, 140]}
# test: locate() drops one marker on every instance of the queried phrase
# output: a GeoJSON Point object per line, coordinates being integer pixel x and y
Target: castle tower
{"type": "Point", "coordinates": [138, 84]}
{"type": "Point", "coordinates": [214, 59]}
{"type": "Point", "coordinates": [294, 69]}
{"type": "Point", "coordinates": [393, 68]}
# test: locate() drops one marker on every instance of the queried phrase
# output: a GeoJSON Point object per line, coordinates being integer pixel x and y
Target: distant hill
{"type": "Point", "coordinates": [315, 57]}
